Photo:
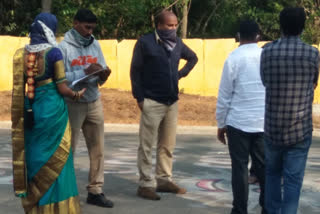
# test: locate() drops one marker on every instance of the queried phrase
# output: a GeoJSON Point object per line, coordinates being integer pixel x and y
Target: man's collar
{"type": "Point", "coordinates": [290, 37]}
{"type": "Point", "coordinates": [158, 39]}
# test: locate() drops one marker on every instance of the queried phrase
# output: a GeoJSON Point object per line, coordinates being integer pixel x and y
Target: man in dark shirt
{"type": "Point", "coordinates": [154, 78]}
{"type": "Point", "coordinates": [289, 71]}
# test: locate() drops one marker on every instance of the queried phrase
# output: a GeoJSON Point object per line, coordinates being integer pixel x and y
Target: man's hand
{"type": "Point", "coordinates": [140, 105]}
{"type": "Point", "coordinates": [92, 68]}
{"type": "Point", "coordinates": [221, 135]}
{"type": "Point", "coordinates": [105, 74]}
{"type": "Point", "coordinates": [81, 92]}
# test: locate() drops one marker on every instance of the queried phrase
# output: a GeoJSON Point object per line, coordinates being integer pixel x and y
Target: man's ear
{"type": "Point", "coordinates": [237, 37]}
{"type": "Point", "coordinates": [75, 23]}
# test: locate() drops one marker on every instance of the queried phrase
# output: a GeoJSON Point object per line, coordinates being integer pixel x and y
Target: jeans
{"type": "Point", "coordinates": [241, 145]}
{"type": "Point", "coordinates": [287, 162]}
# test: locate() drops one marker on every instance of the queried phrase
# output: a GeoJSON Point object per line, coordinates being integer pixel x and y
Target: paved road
{"type": "Point", "coordinates": [202, 165]}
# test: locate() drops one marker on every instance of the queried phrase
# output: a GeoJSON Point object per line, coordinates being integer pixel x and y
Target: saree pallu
{"type": "Point", "coordinates": [43, 169]}
{"type": "Point", "coordinates": [50, 173]}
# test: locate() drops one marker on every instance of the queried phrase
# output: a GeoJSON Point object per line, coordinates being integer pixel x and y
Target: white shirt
{"type": "Point", "coordinates": [241, 98]}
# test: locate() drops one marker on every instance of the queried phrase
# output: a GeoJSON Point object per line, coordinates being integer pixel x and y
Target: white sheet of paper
{"type": "Point", "coordinates": [85, 77]}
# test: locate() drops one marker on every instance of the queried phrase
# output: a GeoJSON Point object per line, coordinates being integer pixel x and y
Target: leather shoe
{"type": "Point", "coordinates": [99, 200]}
{"type": "Point", "coordinates": [171, 187]}
{"type": "Point", "coordinates": [148, 193]}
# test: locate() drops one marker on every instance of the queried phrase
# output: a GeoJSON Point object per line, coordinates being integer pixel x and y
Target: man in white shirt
{"type": "Point", "coordinates": [240, 114]}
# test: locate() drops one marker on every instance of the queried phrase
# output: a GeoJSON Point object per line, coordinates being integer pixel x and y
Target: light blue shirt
{"type": "Point", "coordinates": [241, 98]}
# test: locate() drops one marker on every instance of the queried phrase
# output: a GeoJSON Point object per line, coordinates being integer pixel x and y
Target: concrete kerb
{"type": "Point", "coordinates": [134, 128]}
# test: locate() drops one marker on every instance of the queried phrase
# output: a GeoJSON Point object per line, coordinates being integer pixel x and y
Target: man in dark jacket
{"type": "Point", "coordinates": [154, 78]}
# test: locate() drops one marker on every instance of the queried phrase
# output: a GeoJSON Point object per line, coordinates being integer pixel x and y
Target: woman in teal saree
{"type": "Point", "coordinates": [43, 171]}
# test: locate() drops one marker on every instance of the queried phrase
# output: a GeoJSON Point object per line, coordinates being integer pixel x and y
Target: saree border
{"type": "Point", "coordinates": [48, 173]}
{"type": "Point", "coordinates": [17, 118]}
{"type": "Point", "coordinates": [59, 74]}
{"type": "Point", "coordinates": [70, 206]}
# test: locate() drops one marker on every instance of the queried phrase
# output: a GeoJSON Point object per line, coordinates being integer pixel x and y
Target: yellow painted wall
{"type": "Point", "coordinates": [109, 48]}
{"type": "Point", "coordinates": [125, 49]}
{"type": "Point", "coordinates": [203, 80]}
{"type": "Point", "coordinates": [215, 53]}
{"type": "Point", "coordinates": [8, 46]}
{"type": "Point", "coordinates": [193, 83]}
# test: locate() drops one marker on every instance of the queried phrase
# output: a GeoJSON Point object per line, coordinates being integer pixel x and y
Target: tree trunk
{"type": "Point", "coordinates": [184, 21]}
{"type": "Point", "coordinates": [215, 8]}
{"type": "Point", "coordinates": [46, 6]}
{"type": "Point", "coordinates": [204, 27]}
{"type": "Point", "coordinates": [198, 24]}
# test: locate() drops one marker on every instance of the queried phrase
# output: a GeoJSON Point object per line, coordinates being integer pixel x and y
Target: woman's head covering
{"type": "Point", "coordinates": [42, 32]}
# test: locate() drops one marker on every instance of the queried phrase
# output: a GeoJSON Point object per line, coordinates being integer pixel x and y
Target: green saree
{"type": "Point", "coordinates": [43, 169]}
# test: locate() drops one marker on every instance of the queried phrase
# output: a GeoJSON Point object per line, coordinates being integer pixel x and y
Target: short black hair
{"type": "Point", "coordinates": [292, 20]}
{"type": "Point", "coordinates": [85, 15]}
{"type": "Point", "coordinates": [249, 30]}
{"type": "Point", "coordinates": [160, 17]}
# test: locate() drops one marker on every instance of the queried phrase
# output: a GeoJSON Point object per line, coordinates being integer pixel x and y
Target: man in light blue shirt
{"type": "Point", "coordinates": [240, 114]}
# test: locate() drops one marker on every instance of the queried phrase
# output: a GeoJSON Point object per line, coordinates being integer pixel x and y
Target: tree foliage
{"type": "Point", "coordinates": [220, 18]}
{"type": "Point", "coordinates": [16, 16]}
{"type": "Point", "coordinates": [119, 19]}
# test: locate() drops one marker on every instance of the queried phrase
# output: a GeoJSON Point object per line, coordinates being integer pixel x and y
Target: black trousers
{"type": "Point", "coordinates": [242, 144]}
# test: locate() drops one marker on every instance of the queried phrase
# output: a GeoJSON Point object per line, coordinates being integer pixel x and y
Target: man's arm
{"type": "Point", "coordinates": [71, 75]}
{"type": "Point", "coordinates": [262, 67]}
{"type": "Point", "coordinates": [192, 59]}
{"type": "Point", "coordinates": [136, 73]}
{"type": "Point", "coordinates": [316, 76]}
{"type": "Point", "coordinates": [224, 99]}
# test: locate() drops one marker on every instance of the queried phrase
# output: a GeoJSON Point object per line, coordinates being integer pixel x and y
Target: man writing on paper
{"type": "Point", "coordinates": [83, 56]}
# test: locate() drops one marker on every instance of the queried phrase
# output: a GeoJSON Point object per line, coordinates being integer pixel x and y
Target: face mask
{"type": "Point", "coordinates": [168, 37]}
{"type": "Point", "coordinates": [80, 39]}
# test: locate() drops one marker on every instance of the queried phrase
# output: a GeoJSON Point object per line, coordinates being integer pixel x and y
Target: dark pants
{"type": "Point", "coordinates": [252, 168]}
{"type": "Point", "coordinates": [241, 145]}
